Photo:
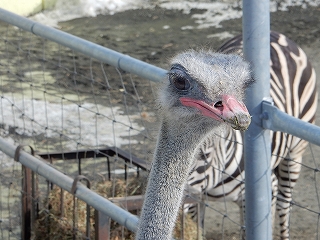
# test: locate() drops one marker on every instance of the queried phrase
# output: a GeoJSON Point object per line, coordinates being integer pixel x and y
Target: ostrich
{"type": "Point", "coordinates": [193, 105]}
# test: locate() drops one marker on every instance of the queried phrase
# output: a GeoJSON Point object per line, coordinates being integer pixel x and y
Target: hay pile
{"type": "Point", "coordinates": [54, 224]}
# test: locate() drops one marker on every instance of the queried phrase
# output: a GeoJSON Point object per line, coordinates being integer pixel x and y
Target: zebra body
{"type": "Point", "coordinates": [218, 171]}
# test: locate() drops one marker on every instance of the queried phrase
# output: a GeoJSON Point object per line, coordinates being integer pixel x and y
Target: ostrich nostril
{"type": "Point", "coordinates": [219, 105]}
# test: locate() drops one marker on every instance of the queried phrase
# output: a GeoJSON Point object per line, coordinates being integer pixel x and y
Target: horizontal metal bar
{"type": "Point", "coordinates": [276, 120]}
{"type": "Point", "coordinates": [101, 204]}
{"type": "Point", "coordinates": [111, 57]}
{"type": "Point", "coordinates": [98, 153]}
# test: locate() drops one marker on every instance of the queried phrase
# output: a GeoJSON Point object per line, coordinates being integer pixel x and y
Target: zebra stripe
{"type": "Point", "coordinates": [218, 171]}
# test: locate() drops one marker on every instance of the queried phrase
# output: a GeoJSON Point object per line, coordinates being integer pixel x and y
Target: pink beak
{"type": "Point", "coordinates": [229, 110]}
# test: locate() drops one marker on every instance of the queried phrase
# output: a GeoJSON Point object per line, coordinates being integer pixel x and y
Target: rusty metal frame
{"type": "Point", "coordinates": [29, 194]}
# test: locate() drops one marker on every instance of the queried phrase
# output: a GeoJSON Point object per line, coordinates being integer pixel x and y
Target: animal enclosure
{"type": "Point", "coordinates": [59, 101]}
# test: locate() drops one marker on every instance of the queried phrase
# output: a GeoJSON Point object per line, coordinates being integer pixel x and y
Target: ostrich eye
{"type": "Point", "coordinates": [179, 77]}
{"type": "Point", "coordinates": [180, 83]}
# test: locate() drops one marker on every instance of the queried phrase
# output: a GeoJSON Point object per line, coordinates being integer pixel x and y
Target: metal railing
{"type": "Point", "coordinates": [82, 192]}
{"type": "Point", "coordinates": [113, 58]}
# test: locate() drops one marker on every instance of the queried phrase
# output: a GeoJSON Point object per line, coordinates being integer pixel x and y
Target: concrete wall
{"type": "Point", "coordinates": [26, 7]}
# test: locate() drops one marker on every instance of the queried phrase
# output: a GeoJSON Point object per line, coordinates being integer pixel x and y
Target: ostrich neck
{"type": "Point", "coordinates": [173, 158]}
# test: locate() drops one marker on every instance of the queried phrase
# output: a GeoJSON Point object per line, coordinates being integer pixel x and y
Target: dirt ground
{"type": "Point", "coordinates": [154, 35]}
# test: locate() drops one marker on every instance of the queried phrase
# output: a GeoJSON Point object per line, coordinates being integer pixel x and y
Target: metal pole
{"type": "Point", "coordinates": [276, 120]}
{"type": "Point", "coordinates": [257, 151]}
{"type": "Point", "coordinates": [101, 204]}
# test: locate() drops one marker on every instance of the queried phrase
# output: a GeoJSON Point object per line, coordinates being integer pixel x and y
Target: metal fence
{"type": "Point", "coordinates": [73, 99]}
{"type": "Point", "coordinates": [84, 114]}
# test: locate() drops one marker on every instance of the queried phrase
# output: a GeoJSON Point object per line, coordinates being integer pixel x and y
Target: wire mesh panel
{"type": "Point", "coordinates": [305, 218]}
{"type": "Point", "coordinates": [86, 117]}
{"type": "Point", "coordinates": [10, 200]}
{"type": "Point", "coordinates": [66, 96]}
{"type": "Point", "coordinates": [58, 101]}
{"type": "Point", "coordinates": [223, 219]}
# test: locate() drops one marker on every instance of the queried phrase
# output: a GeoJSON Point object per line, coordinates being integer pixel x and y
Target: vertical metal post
{"type": "Point", "coordinates": [26, 203]}
{"type": "Point", "coordinates": [101, 226]}
{"type": "Point", "coordinates": [257, 153]}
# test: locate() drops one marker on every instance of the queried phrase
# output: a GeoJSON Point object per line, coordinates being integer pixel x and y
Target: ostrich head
{"type": "Point", "coordinates": [204, 89]}
{"type": "Point", "coordinates": [203, 86]}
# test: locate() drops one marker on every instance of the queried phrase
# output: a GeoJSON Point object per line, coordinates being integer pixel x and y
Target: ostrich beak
{"type": "Point", "coordinates": [229, 110]}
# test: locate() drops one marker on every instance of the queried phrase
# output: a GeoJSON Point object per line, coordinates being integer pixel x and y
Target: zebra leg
{"type": "Point", "coordinates": [288, 173]}
{"type": "Point", "coordinates": [201, 206]}
{"type": "Point", "coordinates": [191, 210]}
{"type": "Point", "coordinates": [274, 187]}
{"type": "Point", "coordinates": [196, 212]}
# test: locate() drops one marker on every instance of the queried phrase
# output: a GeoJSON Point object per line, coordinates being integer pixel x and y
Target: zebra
{"type": "Point", "coordinates": [218, 171]}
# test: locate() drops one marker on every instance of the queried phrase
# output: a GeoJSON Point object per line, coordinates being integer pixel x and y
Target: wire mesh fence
{"type": "Point", "coordinates": [85, 118]}
{"type": "Point", "coordinates": [223, 219]}
{"type": "Point", "coordinates": [88, 118]}
{"type": "Point", "coordinates": [304, 222]}
{"type": "Point", "coordinates": [58, 101]}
